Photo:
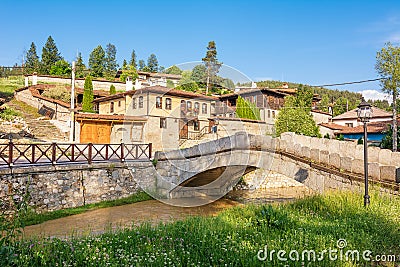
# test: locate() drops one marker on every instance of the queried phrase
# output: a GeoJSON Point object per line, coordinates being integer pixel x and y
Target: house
{"type": "Point", "coordinates": [376, 131]}
{"type": "Point", "coordinates": [350, 118]}
{"type": "Point", "coordinates": [146, 79]}
{"type": "Point", "coordinates": [155, 114]}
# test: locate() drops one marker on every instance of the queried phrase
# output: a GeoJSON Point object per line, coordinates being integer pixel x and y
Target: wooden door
{"type": "Point", "coordinates": [95, 132]}
{"type": "Point", "coordinates": [183, 129]}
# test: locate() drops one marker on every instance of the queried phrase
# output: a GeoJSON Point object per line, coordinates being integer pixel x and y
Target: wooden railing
{"type": "Point", "coordinates": [54, 153]}
{"type": "Point", "coordinates": [197, 135]}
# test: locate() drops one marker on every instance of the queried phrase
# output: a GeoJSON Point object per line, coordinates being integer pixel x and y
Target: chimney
{"type": "Point", "coordinates": [26, 81]}
{"type": "Point", "coordinates": [128, 84]}
{"type": "Point", "coordinates": [253, 85]}
{"type": "Point", "coordinates": [34, 78]}
{"type": "Point", "coordinates": [285, 86]}
{"type": "Point", "coordinates": [138, 84]}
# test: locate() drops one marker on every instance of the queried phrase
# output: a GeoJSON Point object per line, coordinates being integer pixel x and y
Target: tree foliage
{"type": "Point", "coordinates": [50, 55]}
{"type": "Point", "coordinates": [186, 83]}
{"type": "Point", "coordinates": [124, 65]}
{"type": "Point", "coordinates": [97, 62]}
{"type": "Point", "coordinates": [111, 65]}
{"type": "Point", "coordinates": [32, 63]}
{"type": "Point", "coordinates": [173, 70]}
{"type": "Point", "coordinates": [142, 64]}
{"type": "Point", "coordinates": [113, 91]}
{"type": "Point", "coordinates": [152, 63]}
{"type": "Point", "coordinates": [131, 72]}
{"type": "Point", "coordinates": [61, 68]}
{"type": "Point", "coordinates": [212, 64]}
{"type": "Point", "coordinates": [87, 102]}
{"type": "Point", "coordinates": [296, 117]}
{"type": "Point", "coordinates": [79, 66]}
{"type": "Point", "coordinates": [387, 140]}
{"type": "Point", "coordinates": [388, 67]}
{"type": "Point", "coordinates": [199, 74]}
{"type": "Point", "coordinates": [132, 62]}
{"type": "Point", "coordinates": [247, 110]}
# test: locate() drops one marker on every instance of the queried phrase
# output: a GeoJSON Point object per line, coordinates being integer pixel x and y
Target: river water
{"type": "Point", "coordinates": [153, 211]}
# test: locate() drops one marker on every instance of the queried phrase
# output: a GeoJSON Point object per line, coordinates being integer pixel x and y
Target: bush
{"type": "Point", "coordinates": [8, 114]}
{"type": "Point", "coordinates": [58, 93]}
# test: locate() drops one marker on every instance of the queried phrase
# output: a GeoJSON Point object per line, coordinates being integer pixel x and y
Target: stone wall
{"type": "Point", "coordinates": [79, 82]}
{"type": "Point", "coordinates": [58, 187]}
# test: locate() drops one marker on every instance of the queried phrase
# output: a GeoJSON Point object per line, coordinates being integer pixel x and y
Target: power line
{"type": "Point", "coordinates": [346, 83]}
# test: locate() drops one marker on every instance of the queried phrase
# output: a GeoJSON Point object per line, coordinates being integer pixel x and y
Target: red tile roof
{"type": "Point", "coordinates": [352, 114]}
{"type": "Point", "coordinates": [333, 126]}
{"type": "Point", "coordinates": [372, 127]}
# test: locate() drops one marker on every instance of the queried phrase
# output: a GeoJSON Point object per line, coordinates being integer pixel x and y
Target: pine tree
{"type": "Point", "coordinates": [97, 62]}
{"type": "Point", "coordinates": [124, 65]}
{"type": "Point", "coordinates": [32, 63]}
{"type": "Point", "coordinates": [247, 110]}
{"type": "Point", "coordinates": [212, 64]}
{"type": "Point", "coordinates": [132, 62]}
{"type": "Point", "coordinates": [50, 55]}
{"type": "Point", "coordinates": [152, 63]}
{"type": "Point", "coordinates": [113, 91]}
{"type": "Point", "coordinates": [110, 59]}
{"type": "Point", "coordinates": [79, 66]}
{"type": "Point", "coordinates": [87, 102]}
{"type": "Point", "coordinates": [142, 64]}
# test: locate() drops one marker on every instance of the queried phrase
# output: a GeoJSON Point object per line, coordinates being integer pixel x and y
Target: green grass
{"type": "Point", "coordinates": [8, 85]}
{"type": "Point", "coordinates": [235, 237]}
{"type": "Point", "coordinates": [26, 108]}
{"type": "Point", "coordinates": [9, 114]}
{"type": "Point", "coordinates": [35, 218]}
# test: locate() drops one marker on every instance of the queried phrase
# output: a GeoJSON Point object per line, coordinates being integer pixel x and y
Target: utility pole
{"type": "Point", "coordinates": [72, 107]}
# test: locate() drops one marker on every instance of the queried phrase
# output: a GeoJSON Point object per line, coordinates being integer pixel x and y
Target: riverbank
{"type": "Point", "coordinates": [240, 236]}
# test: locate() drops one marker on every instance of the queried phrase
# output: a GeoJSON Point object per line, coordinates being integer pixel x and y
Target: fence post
{"type": "Point", "coordinates": [107, 151]}
{"type": "Point", "coordinates": [122, 152]}
{"type": "Point", "coordinates": [10, 153]}
{"type": "Point", "coordinates": [33, 153]}
{"type": "Point", "coordinates": [53, 153]}
{"type": "Point", "coordinates": [150, 148]}
{"type": "Point", "coordinates": [90, 146]}
{"type": "Point", "coordinates": [72, 152]}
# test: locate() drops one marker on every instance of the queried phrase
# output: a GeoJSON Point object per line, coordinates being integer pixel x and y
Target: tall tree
{"type": "Point", "coordinates": [388, 67]}
{"type": "Point", "coordinates": [212, 64]}
{"type": "Point", "coordinates": [124, 65]}
{"type": "Point", "coordinates": [97, 62]}
{"type": "Point", "coordinates": [50, 55]}
{"type": "Point", "coordinates": [79, 66]}
{"type": "Point", "coordinates": [61, 68]}
{"type": "Point", "coordinates": [173, 70]}
{"type": "Point", "coordinates": [111, 60]}
{"type": "Point", "coordinates": [324, 104]}
{"type": "Point", "coordinates": [186, 83]}
{"type": "Point", "coordinates": [142, 64]}
{"type": "Point", "coordinates": [247, 110]}
{"type": "Point", "coordinates": [32, 63]}
{"type": "Point", "coordinates": [113, 91]}
{"type": "Point", "coordinates": [87, 101]}
{"type": "Point", "coordinates": [132, 62]}
{"type": "Point", "coordinates": [199, 74]}
{"type": "Point", "coordinates": [152, 63]}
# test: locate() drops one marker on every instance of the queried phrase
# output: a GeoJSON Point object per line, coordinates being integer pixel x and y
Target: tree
{"type": "Point", "coordinates": [199, 74]}
{"type": "Point", "coordinates": [247, 110]}
{"type": "Point", "coordinates": [152, 63]}
{"type": "Point", "coordinates": [113, 91]}
{"type": "Point", "coordinates": [186, 83]}
{"type": "Point", "coordinates": [32, 63]}
{"type": "Point", "coordinates": [129, 72]}
{"type": "Point", "coordinates": [228, 83]}
{"type": "Point", "coordinates": [324, 104]}
{"type": "Point", "coordinates": [111, 65]}
{"type": "Point", "coordinates": [211, 63]}
{"type": "Point", "coordinates": [295, 116]}
{"type": "Point", "coordinates": [142, 64]}
{"type": "Point", "coordinates": [97, 62]}
{"type": "Point", "coordinates": [79, 66]}
{"type": "Point", "coordinates": [87, 102]}
{"type": "Point", "coordinates": [340, 106]}
{"type": "Point", "coordinates": [124, 65]}
{"type": "Point", "coordinates": [61, 68]}
{"type": "Point", "coordinates": [388, 67]}
{"type": "Point", "coordinates": [173, 70]}
{"type": "Point", "coordinates": [50, 55]}
{"type": "Point", "coordinates": [132, 62]}
{"type": "Point", "coordinates": [387, 140]}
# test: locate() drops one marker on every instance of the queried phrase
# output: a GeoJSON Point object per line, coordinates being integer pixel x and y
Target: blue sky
{"type": "Point", "coordinates": [313, 42]}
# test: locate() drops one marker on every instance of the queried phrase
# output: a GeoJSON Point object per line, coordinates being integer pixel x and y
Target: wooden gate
{"type": "Point", "coordinates": [183, 129]}
{"type": "Point", "coordinates": [95, 132]}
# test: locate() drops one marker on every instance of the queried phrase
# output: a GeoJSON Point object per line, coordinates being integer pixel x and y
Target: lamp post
{"type": "Point", "coordinates": [364, 113]}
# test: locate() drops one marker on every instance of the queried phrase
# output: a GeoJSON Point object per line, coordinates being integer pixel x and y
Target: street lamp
{"type": "Point", "coordinates": [364, 113]}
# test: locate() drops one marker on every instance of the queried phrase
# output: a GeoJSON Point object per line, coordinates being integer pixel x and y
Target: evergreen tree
{"type": "Point", "coordinates": [247, 110]}
{"type": "Point", "coordinates": [152, 63]}
{"type": "Point", "coordinates": [132, 62]}
{"type": "Point", "coordinates": [186, 83]}
{"type": "Point", "coordinates": [199, 74]}
{"type": "Point", "coordinates": [97, 62]}
{"type": "Point", "coordinates": [87, 102]}
{"type": "Point", "coordinates": [124, 65]}
{"type": "Point", "coordinates": [113, 91]}
{"type": "Point", "coordinates": [61, 68]}
{"type": "Point", "coordinates": [324, 104]}
{"type": "Point", "coordinates": [173, 70]}
{"type": "Point", "coordinates": [110, 59]}
{"type": "Point", "coordinates": [32, 63]}
{"type": "Point", "coordinates": [79, 66]}
{"type": "Point", "coordinates": [211, 63]}
{"type": "Point", "coordinates": [142, 64]}
{"type": "Point", "coordinates": [50, 55]}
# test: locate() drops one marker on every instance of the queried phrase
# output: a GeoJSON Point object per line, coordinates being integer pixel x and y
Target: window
{"type": "Point", "coordinates": [273, 114]}
{"type": "Point", "coordinates": [189, 106]}
{"type": "Point", "coordinates": [168, 103]}
{"type": "Point", "coordinates": [204, 108]}
{"type": "Point", "coordinates": [196, 125]}
{"type": "Point", "coordinates": [140, 101]}
{"type": "Point", "coordinates": [269, 113]}
{"type": "Point", "coordinates": [112, 107]}
{"type": "Point", "coordinates": [349, 124]}
{"type": "Point", "coordinates": [119, 103]}
{"type": "Point", "coordinates": [133, 103]}
{"type": "Point", "coordinates": [158, 102]}
{"type": "Point", "coordinates": [163, 123]}
{"type": "Point", "coordinates": [196, 108]}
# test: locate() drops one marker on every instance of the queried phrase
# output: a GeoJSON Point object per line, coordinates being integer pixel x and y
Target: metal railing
{"type": "Point", "coordinates": [12, 154]}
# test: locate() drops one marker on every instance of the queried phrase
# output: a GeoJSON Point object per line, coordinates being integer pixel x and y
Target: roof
{"type": "Point", "coordinates": [321, 112]}
{"type": "Point", "coordinates": [108, 117]}
{"type": "Point", "coordinates": [352, 114]}
{"type": "Point", "coordinates": [372, 127]}
{"type": "Point", "coordinates": [252, 91]}
{"type": "Point", "coordinates": [160, 90]}
{"type": "Point", "coordinates": [333, 126]}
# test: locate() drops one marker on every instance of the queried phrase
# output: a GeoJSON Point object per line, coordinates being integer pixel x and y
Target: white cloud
{"type": "Point", "coordinates": [375, 95]}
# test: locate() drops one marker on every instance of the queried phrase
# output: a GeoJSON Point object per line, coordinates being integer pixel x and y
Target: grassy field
{"type": "Point", "coordinates": [330, 225]}
{"type": "Point", "coordinates": [8, 85]}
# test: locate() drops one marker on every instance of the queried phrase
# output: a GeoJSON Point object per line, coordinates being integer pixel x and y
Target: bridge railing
{"type": "Point", "coordinates": [12, 154]}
